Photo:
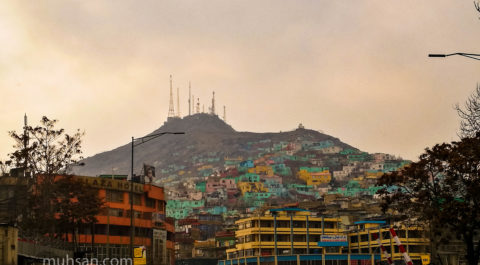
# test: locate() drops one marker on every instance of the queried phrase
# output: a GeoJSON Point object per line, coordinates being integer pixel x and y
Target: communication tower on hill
{"type": "Point", "coordinates": [212, 109]}
{"type": "Point", "coordinates": [189, 99]}
{"type": "Point", "coordinates": [171, 110]}
{"type": "Point", "coordinates": [178, 102]}
{"type": "Point", "coordinates": [224, 114]}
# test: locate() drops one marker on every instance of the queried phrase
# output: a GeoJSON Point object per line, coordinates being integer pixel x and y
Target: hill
{"type": "Point", "coordinates": [207, 141]}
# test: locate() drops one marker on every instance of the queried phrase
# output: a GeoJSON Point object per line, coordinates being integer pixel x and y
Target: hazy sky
{"type": "Point", "coordinates": [357, 70]}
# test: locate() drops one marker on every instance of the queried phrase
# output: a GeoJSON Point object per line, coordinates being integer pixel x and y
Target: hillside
{"type": "Point", "coordinates": [207, 140]}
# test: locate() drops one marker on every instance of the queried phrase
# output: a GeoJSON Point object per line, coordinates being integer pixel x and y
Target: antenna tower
{"type": "Point", "coordinates": [213, 104]}
{"type": "Point", "coordinates": [189, 97]}
{"type": "Point", "coordinates": [198, 105]}
{"type": "Point", "coordinates": [171, 111]}
{"type": "Point", "coordinates": [224, 114]}
{"type": "Point", "coordinates": [178, 102]}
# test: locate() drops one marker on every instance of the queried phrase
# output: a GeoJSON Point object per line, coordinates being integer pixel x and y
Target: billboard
{"type": "Point", "coordinates": [149, 172]}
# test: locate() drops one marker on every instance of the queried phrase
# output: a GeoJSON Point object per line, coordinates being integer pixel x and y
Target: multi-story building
{"type": "Point", "coordinates": [362, 240]}
{"type": "Point", "coordinates": [296, 236]}
{"type": "Point", "coordinates": [283, 231]}
{"type": "Point", "coordinates": [111, 237]}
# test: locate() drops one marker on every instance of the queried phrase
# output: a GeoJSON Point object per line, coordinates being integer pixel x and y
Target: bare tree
{"type": "Point", "coordinates": [470, 112]}
{"type": "Point", "coordinates": [46, 150]}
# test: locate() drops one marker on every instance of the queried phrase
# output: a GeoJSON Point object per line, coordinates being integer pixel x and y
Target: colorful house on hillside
{"type": "Point", "coordinates": [314, 175]}
{"type": "Point", "coordinates": [228, 183]}
{"type": "Point", "coordinates": [394, 165]}
{"type": "Point", "coordinates": [321, 145]}
{"type": "Point", "coordinates": [353, 188]}
{"type": "Point", "coordinates": [275, 187]}
{"type": "Point", "coordinates": [201, 186]}
{"type": "Point", "coordinates": [212, 185]}
{"type": "Point", "coordinates": [245, 187]}
{"type": "Point", "coordinates": [281, 169]}
{"type": "Point", "coordinates": [180, 209]}
{"type": "Point", "coordinates": [373, 174]}
{"type": "Point", "coordinates": [331, 150]}
{"type": "Point", "coordinates": [248, 177]}
{"type": "Point", "coordinates": [247, 164]}
{"type": "Point", "coordinates": [348, 151]}
{"type": "Point", "coordinates": [261, 170]}
{"type": "Point", "coordinates": [361, 157]}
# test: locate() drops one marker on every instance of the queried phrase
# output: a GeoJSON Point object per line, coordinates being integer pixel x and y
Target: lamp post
{"type": "Point", "coordinates": [140, 141]}
{"type": "Point", "coordinates": [468, 55]}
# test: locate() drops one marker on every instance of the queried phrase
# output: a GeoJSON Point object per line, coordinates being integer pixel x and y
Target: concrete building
{"type": "Point", "coordinates": [361, 240]}
{"type": "Point", "coordinates": [283, 231]}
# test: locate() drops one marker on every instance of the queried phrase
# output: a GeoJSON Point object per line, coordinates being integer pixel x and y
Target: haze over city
{"type": "Point", "coordinates": [356, 70]}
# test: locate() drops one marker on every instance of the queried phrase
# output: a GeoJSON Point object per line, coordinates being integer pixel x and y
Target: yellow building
{"type": "Point", "coordinates": [285, 231]}
{"type": "Point", "coordinates": [261, 170]}
{"type": "Point", "coordinates": [8, 244]}
{"type": "Point", "coordinates": [373, 174]}
{"type": "Point", "coordinates": [245, 187]}
{"type": "Point", "coordinates": [315, 178]}
{"type": "Point", "coordinates": [362, 241]}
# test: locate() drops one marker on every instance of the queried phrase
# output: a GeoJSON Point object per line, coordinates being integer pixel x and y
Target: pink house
{"type": "Point", "coordinates": [212, 186]}
{"type": "Point", "coordinates": [228, 183]}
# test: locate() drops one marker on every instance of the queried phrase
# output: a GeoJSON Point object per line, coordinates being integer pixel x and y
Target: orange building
{"type": "Point", "coordinates": [111, 234]}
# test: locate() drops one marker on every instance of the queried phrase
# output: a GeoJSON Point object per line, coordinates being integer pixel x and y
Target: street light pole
{"type": "Point", "coordinates": [142, 141]}
{"type": "Point", "coordinates": [468, 55]}
{"type": "Point", "coordinates": [132, 224]}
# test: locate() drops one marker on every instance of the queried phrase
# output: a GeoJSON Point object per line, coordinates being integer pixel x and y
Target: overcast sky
{"type": "Point", "coordinates": [357, 70]}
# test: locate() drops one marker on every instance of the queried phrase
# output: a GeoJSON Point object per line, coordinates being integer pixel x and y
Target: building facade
{"type": "Point", "coordinates": [111, 234]}
{"type": "Point", "coordinates": [283, 231]}
{"type": "Point", "coordinates": [362, 240]}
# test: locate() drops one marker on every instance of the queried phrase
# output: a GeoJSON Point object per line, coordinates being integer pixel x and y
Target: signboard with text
{"type": "Point", "coordinates": [111, 184]}
{"type": "Point", "coordinates": [139, 255]}
{"type": "Point", "coordinates": [333, 238]}
{"type": "Point", "coordinates": [333, 241]}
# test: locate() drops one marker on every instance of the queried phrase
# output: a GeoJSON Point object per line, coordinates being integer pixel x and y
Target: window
{"type": "Point", "coordinates": [150, 203]}
{"type": "Point", "coordinates": [329, 225]}
{"type": "Point", "coordinates": [298, 224]}
{"type": "Point", "coordinates": [415, 249]}
{"type": "Point", "coordinates": [147, 216]}
{"type": "Point", "coordinates": [114, 196]}
{"type": "Point", "coordinates": [115, 212]}
{"type": "Point", "coordinates": [365, 250]}
{"type": "Point", "coordinates": [364, 238]}
{"type": "Point", "coordinates": [267, 238]}
{"type": "Point", "coordinates": [415, 233]}
{"type": "Point", "coordinates": [161, 206]}
{"type": "Point", "coordinates": [315, 224]}
{"type": "Point", "coordinates": [137, 199]}
{"type": "Point", "coordinates": [353, 239]}
{"type": "Point", "coordinates": [401, 233]}
{"type": "Point", "coordinates": [299, 238]}
{"type": "Point", "coordinates": [264, 223]}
